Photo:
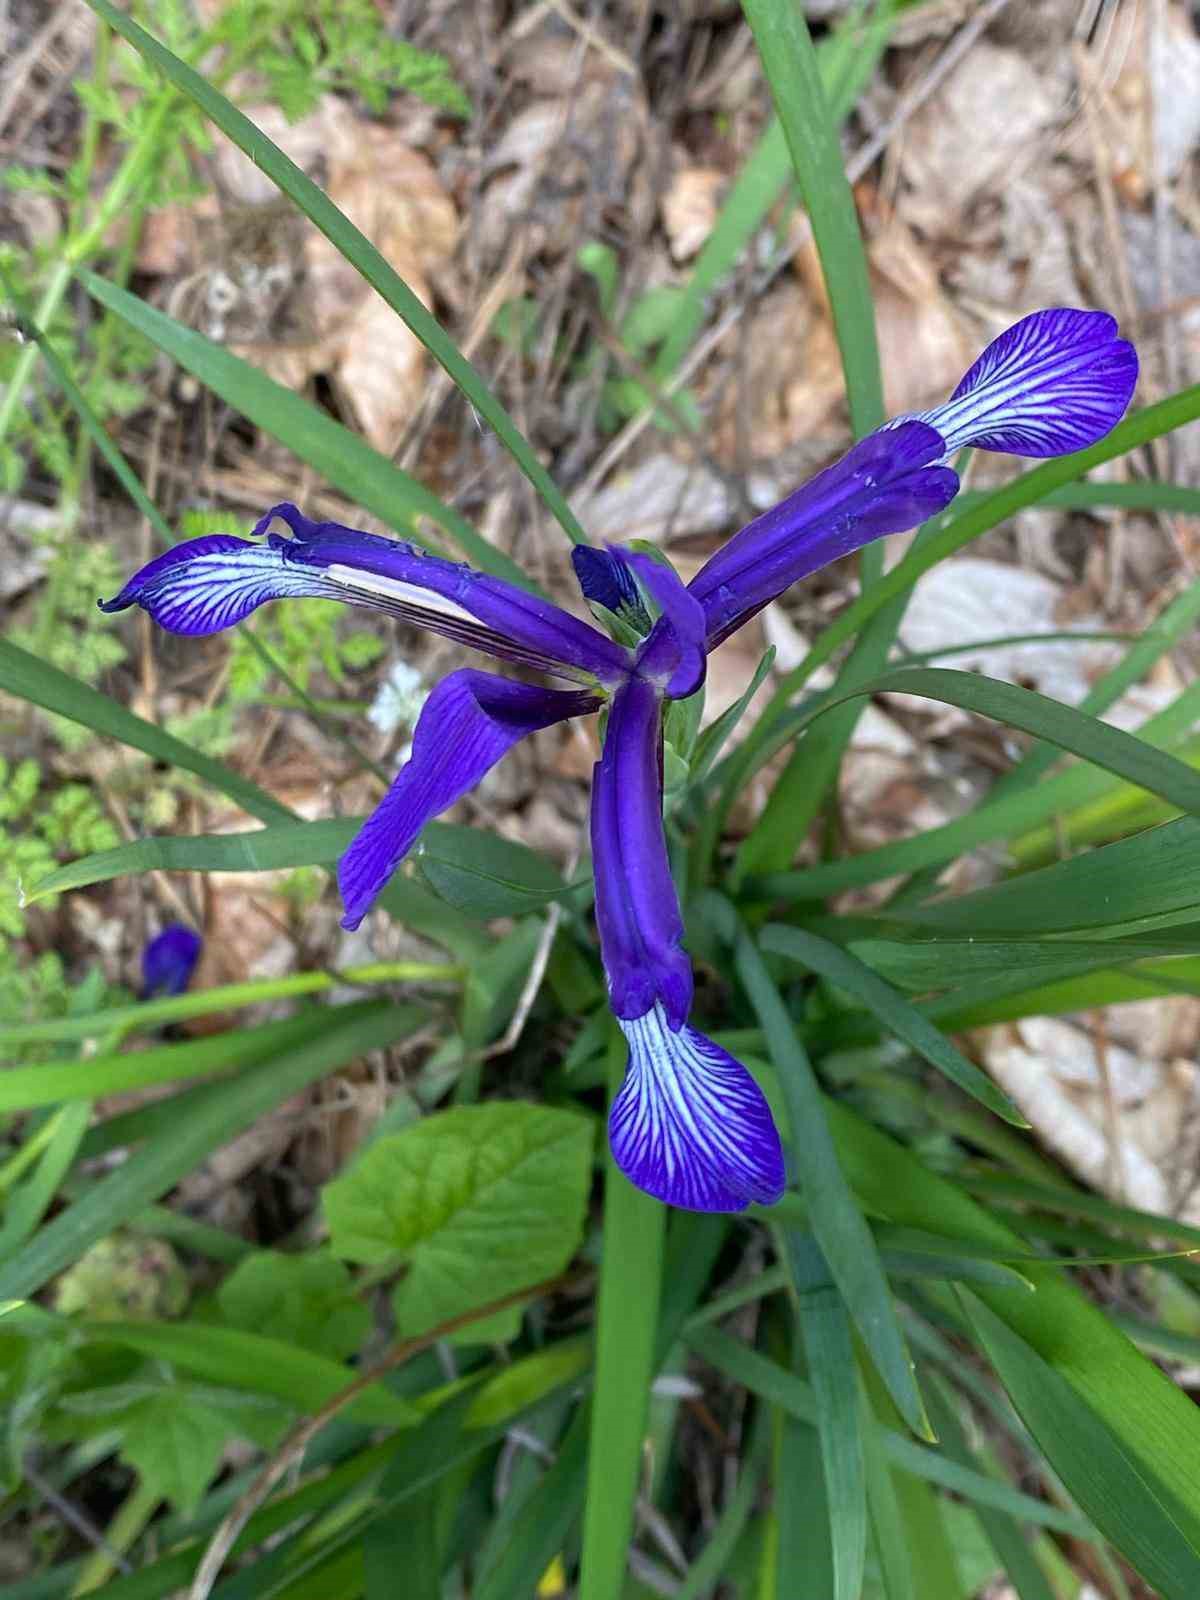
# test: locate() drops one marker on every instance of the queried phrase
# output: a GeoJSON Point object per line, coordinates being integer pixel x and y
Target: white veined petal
{"type": "Point", "coordinates": [1054, 382]}
{"type": "Point", "coordinates": [690, 1125]}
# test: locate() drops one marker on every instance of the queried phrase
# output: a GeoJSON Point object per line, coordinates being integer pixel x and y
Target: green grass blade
{"type": "Point", "coordinates": [711, 1564]}
{"type": "Point", "coordinates": [29, 678]}
{"type": "Point", "coordinates": [340, 456]}
{"type": "Point", "coordinates": [543, 1527]}
{"type": "Point", "coordinates": [115, 1021]}
{"type": "Point", "coordinates": [825, 1330]}
{"type": "Point", "coordinates": [772, 1382]}
{"type": "Point", "coordinates": [1155, 1423]}
{"type": "Point", "coordinates": [1111, 748]}
{"type": "Point", "coordinates": [1021, 1566]}
{"type": "Point", "coordinates": [1121, 885]}
{"type": "Point", "coordinates": [790, 60]}
{"type": "Point", "coordinates": [256, 1362]}
{"type": "Point", "coordinates": [841, 1230]}
{"type": "Point", "coordinates": [1125, 1497]}
{"type": "Point", "coordinates": [897, 1014]}
{"type": "Point", "coordinates": [626, 1325]}
{"type": "Point", "coordinates": [215, 1115]}
{"type": "Point", "coordinates": [49, 1082]}
{"type": "Point", "coordinates": [845, 60]}
{"type": "Point", "coordinates": [352, 246]}
{"type": "Point", "coordinates": [1010, 815]}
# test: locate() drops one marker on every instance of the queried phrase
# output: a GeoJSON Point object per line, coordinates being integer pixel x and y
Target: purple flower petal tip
{"type": "Point", "coordinates": [1055, 382]}
{"type": "Point", "coordinates": [169, 960]}
{"type": "Point", "coordinates": [607, 581]}
{"type": "Point", "coordinates": [690, 1126]}
{"type": "Point", "coordinates": [210, 583]}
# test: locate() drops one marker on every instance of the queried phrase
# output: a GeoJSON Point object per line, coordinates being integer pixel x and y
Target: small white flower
{"type": "Point", "coordinates": [398, 699]}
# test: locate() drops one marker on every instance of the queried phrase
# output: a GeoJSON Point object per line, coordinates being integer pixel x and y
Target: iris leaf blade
{"type": "Point", "coordinates": [827, 1337]}
{"type": "Point", "coordinates": [897, 1014]}
{"type": "Point", "coordinates": [216, 1113]}
{"type": "Point", "coordinates": [836, 1219]}
{"type": "Point", "coordinates": [1123, 1495]}
{"type": "Point", "coordinates": [631, 1275]}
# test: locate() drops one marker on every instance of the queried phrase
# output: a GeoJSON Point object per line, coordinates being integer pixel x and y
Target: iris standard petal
{"type": "Point", "coordinates": [889, 481]}
{"type": "Point", "coordinates": [469, 721]}
{"type": "Point", "coordinates": [207, 584]}
{"type": "Point", "coordinates": [637, 910]}
{"type": "Point", "coordinates": [607, 581]}
{"type": "Point", "coordinates": [1054, 382]}
{"type": "Point", "coordinates": [447, 597]}
{"type": "Point", "coordinates": [169, 960]}
{"type": "Point", "coordinates": [690, 1125]}
{"type": "Point", "coordinates": [673, 656]}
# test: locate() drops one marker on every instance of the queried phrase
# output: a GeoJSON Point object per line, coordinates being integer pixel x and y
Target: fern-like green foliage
{"type": "Point", "coordinates": [39, 827]}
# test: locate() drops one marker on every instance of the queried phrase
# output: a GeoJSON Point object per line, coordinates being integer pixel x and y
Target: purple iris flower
{"type": "Point", "coordinates": [169, 960]}
{"type": "Point", "coordinates": [689, 1124]}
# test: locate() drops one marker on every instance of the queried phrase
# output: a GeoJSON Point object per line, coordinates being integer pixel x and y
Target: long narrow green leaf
{"type": "Point", "coordinates": [48, 1083]}
{"type": "Point", "coordinates": [32, 679]}
{"type": "Point", "coordinates": [1001, 815]}
{"type": "Point", "coordinates": [340, 456]}
{"type": "Point", "coordinates": [782, 1388]}
{"type": "Point", "coordinates": [790, 60]}
{"type": "Point", "coordinates": [216, 1114]}
{"type": "Point", "coordinates": [1121, 885]}
{"type": "Point", "coordinates": [352, 245]}
{"type": "Point", "coordinates": [626, 1323]}
{"type": "Point", "coordinates": [897, 1014]}
{"type": "Point", "coordinates": [825, 1330]}
{"type": "Point", "coordinates": [1132, 1505]}
{"type": "Point", "coordinates": [836, 1220]}
{"type": "Point", "coordinates": [1063, 726]}
{"type": "Point", "coordinates": [256, 1362]}
{"type": "Point", "coordinates": [846, 60]}
{"type": "Point", "coordinates": [1153, 1422]}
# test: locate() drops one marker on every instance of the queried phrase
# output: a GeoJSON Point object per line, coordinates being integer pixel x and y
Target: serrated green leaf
{"type": "Point", "coordinates": [478, 1201]}
{"type": "Point", "coordinates": [307, 1300]}
{"type": "Point", "coordinates": [175, 1444]}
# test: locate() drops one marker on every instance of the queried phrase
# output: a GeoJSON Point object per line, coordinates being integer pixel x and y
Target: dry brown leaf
{"type": "Point", "coordinates": [660, 498]}
{"type": "Point", "coordinates": [923, 347]}
{"type": "Point", "coordinates": [989, 114]}
{"type": "Point", "coordinates": [690, 208]}
{"type": "Point", "coordinates": [292, 275]}
{"type": "Point", "coordinates": [968, 598]}
{"type": "Point", "coordinates": [1118, 1118]}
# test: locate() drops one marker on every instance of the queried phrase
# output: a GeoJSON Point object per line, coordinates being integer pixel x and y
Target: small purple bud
{"type": "Point", "coordinates": [169, 960]}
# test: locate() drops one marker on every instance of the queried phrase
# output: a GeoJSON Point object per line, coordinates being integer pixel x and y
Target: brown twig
{"type": "Point", "coordinates": [298, 1440]}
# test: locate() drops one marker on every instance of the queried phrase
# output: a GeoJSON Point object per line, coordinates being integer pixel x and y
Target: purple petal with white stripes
{"type": "Point", "coordinates": [211, 583]}
{"type": "Point", "coordinates": [637, 910]}
{"type": "Point", "coordinates": [468, 723]}
{"type": "Point", "coordinates": [889, 481]}
{"type": "Point", "coordinates": [690, 1125]}
{"type": "Point", "coordinates": [1054, 382]}
{"type": "Point", "coordinates": [446, 595]}
{"type": "Point", "coordinates": [169, 960]}
{"type": "Point", "coordinates": [207, 584]}
{"type": "Point", "coordinates": [673, 657]}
